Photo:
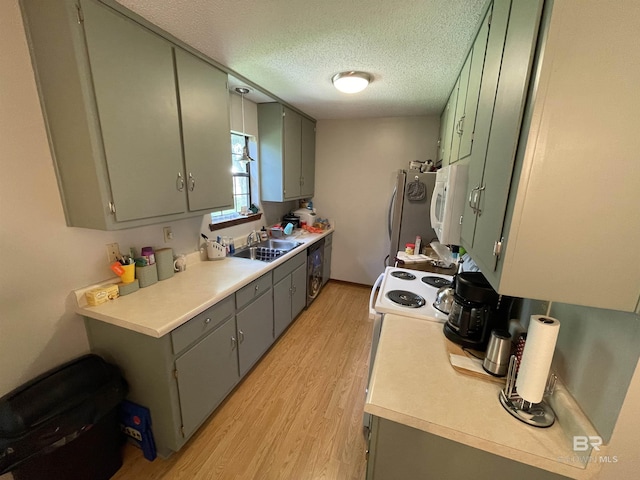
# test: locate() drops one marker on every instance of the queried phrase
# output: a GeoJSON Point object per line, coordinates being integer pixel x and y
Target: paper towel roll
{"type": "Point", "coordinates": [536, 359]}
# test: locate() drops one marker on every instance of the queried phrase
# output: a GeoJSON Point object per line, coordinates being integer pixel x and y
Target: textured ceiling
{"type": "Point", "coordinates": [291, 48]}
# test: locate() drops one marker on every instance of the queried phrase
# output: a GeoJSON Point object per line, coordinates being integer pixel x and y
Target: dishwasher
{"type": "Point", "coordinates": [315, 258]}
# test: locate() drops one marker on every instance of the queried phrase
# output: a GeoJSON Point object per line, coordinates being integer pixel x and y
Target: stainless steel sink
{"type": "Point", "coordinates": [266, 251]}
{"type": "Point", "coordinates": [286, 245]}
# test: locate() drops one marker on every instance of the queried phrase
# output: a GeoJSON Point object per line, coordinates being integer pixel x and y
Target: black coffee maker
{"type": "Point", "coordinates": [475, 311]}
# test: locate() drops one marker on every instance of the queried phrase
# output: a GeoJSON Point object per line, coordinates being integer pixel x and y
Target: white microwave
{"type": "Point", "coordinates": [447, 203]}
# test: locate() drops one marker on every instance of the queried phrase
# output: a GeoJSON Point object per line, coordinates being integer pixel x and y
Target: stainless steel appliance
{"type": "Point", "coordinates": [315, 259]}
{"type": "Point", "coordinates": [473, 312]}
{"type": "Point", "coordinates": [496, 360]}
{"type": "Point", "coordinates": [410, 293]}
{"type": "Point", "coordinates": [409, 210]}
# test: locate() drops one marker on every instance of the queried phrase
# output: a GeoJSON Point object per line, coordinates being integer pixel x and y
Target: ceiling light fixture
{"type": "Point", "coordinates": [245, 154]}
{"type": "Point", "coordinates": [351, 82]}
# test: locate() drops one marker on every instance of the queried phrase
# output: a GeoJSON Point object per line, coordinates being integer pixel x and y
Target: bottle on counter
{"type": "Point", "coordinates": [409, 248]}
{"type": "Point", "coordinates": [263, 234]}
{"type": "Point", "coordinates": [418, 245]}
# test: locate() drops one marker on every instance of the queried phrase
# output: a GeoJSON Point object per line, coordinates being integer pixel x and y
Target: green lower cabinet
{"type": "Point", "coordinates": [206, 373]}
{"type": "Point", "coordinates": [255, 330]}
{"type": "Point", "coordinates": [397, 451]}
{"type": "Point", "coordinates": [289, 299]}
{"type": "Point", "coordinates": [289, 292]}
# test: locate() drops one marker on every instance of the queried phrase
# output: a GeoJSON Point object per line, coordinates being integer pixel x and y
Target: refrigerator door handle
{"type": "Point", "coordinates": [391, 205]}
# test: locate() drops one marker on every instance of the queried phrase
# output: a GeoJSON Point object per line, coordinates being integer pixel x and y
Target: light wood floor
{"type": "Point", "coordinates": [297, 415]}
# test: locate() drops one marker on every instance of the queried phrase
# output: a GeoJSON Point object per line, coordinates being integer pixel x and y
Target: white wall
{"type": "Point", "coordinates": [356, 164]}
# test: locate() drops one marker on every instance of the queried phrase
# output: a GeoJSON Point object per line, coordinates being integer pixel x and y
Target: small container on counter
{"type": "Point", "coordinates": [164, 257]}
{"type": "Point", "coordinates": [147, 275]}
{"type": "Point", "coordinates": [148, 254]}
{"type": "Point", "coordinates": [409, 248]}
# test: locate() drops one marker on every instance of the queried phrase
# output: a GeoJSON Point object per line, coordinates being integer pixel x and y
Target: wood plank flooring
{"type": "Point", "coordinates": [297, 415]}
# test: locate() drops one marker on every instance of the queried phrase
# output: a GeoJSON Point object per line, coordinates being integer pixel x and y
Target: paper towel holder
{"type": "Point", "coordinates": [536, 414]}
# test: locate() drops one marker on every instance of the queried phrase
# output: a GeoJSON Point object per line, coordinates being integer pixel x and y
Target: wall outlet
{"type": "Point", "coordinates": [168, 234]}
{"type": "Point", "coordinates": [113, 252]}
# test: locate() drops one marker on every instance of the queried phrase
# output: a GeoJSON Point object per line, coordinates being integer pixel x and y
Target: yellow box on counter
{"type": "Point", "coordinates": [102, 294]}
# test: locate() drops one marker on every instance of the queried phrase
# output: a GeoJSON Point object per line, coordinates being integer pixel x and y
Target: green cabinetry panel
{"type": "Point", "coordinates": [109, 93]}
{"type": "Point", "coordinates": [491, 176]}
{"type": "Point", "coordinates": [255, 330]}
{"type": "Point", "coordinates": [287, 153]}
{"type": "Point", "coordinates": [135, 92]}
{"type": "Point", "coordinates": [206, 373]}
{"type": "Point", "coordinates": [204, 110]}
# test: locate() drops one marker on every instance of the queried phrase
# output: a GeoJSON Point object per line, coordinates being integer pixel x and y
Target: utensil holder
{"type": "Point", "coordinates": [147, 275]}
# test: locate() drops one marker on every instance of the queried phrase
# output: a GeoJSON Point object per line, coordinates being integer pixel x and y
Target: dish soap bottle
{"type": "Point", "coordinates": [263, 234]}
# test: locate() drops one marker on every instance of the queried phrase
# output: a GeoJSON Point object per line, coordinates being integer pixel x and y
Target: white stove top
{"type": "Point", "coordinates": [404, 280]}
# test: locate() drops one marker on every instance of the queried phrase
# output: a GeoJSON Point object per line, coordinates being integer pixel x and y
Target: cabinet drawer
{"type": "Point", "coordinates": [289, 266]}
{"type": "Point", "coordinates": [256, 288]}
{"type": "Point", "coordinates": [202, 323]}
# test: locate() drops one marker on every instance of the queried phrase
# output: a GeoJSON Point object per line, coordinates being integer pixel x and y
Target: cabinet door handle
{"type": "Point", "coordinates": [461, 125]}
{"type": "Point", "coordinates": [234, 343]}
{"type": "Point", "coordinates": [241, 335]}
{"type": "Point", "coordinates": [471, 199]}
{"type": "Point", "coordinates": [257, 288]}
{"type": "Point", "coordinates": [207, 321]}
{"type": "Point", "coordinates": [180, 182]}
{"type": "Point", "coordinates": [477, 200]}
{"type": "Point", "coordinates": [192, 182]}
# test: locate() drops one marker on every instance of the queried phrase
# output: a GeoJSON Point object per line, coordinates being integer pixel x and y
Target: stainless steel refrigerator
{"type": "Point", "coordinates": [409, 211]}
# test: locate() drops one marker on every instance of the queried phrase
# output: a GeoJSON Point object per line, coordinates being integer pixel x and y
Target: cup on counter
{"type": "Point", "coordinates": [129, 274]}
{"type": "Point", "coordinates": [180, 263]}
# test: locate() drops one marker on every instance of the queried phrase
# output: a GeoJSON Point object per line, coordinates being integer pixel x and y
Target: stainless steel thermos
{"type": "Point", "coordinates": [496, 360]}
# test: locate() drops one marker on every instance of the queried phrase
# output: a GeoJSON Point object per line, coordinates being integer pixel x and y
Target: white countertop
{"type": "Point", "coordinates": [159, 308]}
{"type": "Point", "coordinates": [414, 384]}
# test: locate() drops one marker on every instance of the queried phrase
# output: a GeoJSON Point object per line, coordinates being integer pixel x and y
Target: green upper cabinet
{"type": "Point", "coordinates": [109, 92]}
{"type": "Point", "coordinates": [287, 153]}
{"type": "Point", "coordinates": [489, 191]}
{"type": "Point", "coordinates": [204, 110]}
{"type": "Point", "coordinates": [307, 157]}
{"type": "Point", "coordinates": [135, 94]}
{"type": "Point", "coordinates": [549, 207]}
{"type": "Point", "coordinates": [458, 118]}
{"type": "Point", "coordinates": [487, 96]}
{"type": "Point", "coordinates": [467, 120]}
{"type": "Point", "coordinates": [447, 124]}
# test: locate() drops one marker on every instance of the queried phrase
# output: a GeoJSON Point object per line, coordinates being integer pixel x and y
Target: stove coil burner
{"type": "Point", "coordinates": [403, 275]}
{"type": "Point", "coordinates": [436, 281]}
{"type": "Point", "coordinates": [406, 299]}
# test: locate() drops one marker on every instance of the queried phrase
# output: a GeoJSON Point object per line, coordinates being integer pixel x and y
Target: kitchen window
{"type": "Point", "coordinates": [241, 177]}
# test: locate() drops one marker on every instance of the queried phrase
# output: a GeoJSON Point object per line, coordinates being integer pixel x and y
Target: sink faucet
{"type": "Point", "coordinates": [251, 236]}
